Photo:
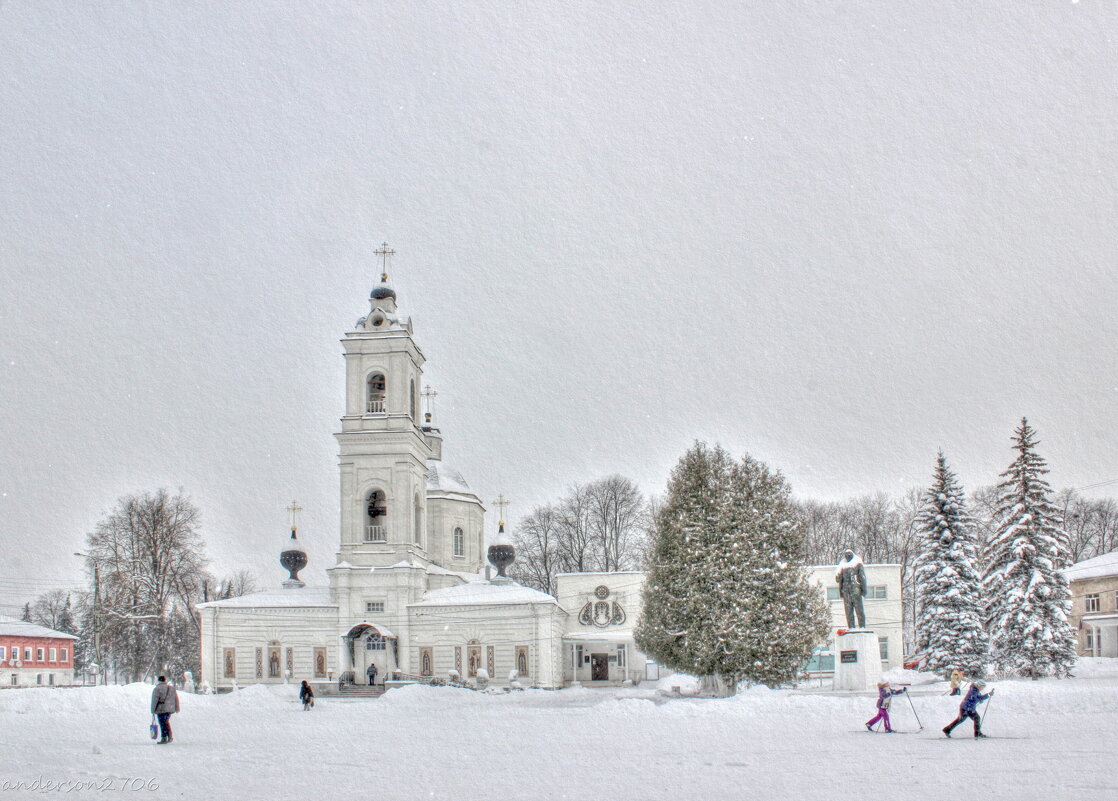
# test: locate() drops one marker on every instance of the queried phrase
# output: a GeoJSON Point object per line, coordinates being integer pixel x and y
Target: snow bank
{"type": "Point", "coordinates": [629, 743]}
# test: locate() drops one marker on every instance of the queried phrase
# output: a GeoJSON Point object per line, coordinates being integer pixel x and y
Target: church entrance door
{"type": "Point", "coordinates": [599, 667]}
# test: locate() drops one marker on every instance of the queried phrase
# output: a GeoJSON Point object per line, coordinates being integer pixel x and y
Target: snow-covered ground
{"type": "Point", "coordinates": [1049, 740]}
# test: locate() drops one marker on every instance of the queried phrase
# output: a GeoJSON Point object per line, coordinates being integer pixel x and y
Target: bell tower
{"type": "Point", "coordinates": [383, 450]}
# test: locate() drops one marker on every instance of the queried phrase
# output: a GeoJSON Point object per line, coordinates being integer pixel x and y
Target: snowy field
{"type": "Point", "coordinates": [1049, 740]}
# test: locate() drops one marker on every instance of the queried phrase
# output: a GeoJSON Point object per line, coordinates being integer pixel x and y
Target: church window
{"type": "Point", "coordinates": [621, 654]}
{"type": "Point", "coordinates": [883, 643]}
{"type": "Point", "coordinates": [375, 396]}
{"type": "Point", "coordinates": [418, 522]}
{"type": "Point", "coordinates": [65, 655]}
{"type": "Point", "coordinates": [1093, 604]}
{"type": "Point", "coordinates": [414, 405]}
{"type": "Point", "coordinates": [374, 606]}
{"type": "Point", "coordinates": [878, 593]}
{"type": "Point", "coordinates": [53, 654]}
{"type": "Point", "coordinates": [376, 517]}
{"type": "Point", "coordinates": [38, 654]}
{"type": "Point", "coordinates": [374, 642]}
{"type": "Point", "coordinates": [576, 652]}
{"type": "Point", "coordinates": [459, 542]}
{"type": "Point", "coordinates": [259, 663]}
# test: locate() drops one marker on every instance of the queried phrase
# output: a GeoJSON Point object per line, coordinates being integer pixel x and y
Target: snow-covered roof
{"type": "Point", "coordinates": [599, 636]}
{"type": "Point", "coordinates": [14, 627]}
{"type": "Point", "coordinates": [296, 596]}
{"type": "Point", "coordinates": [1100, 566]}
{"type": "Point", "coordinates": [441, 477]}
{"type": "Point", "coordinates": [484, 594]}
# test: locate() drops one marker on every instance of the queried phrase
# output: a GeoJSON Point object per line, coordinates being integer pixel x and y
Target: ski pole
{"type": "Point", "coordinates": [918, 723]}
{"type": "Point", "coordinates": [989, 701]}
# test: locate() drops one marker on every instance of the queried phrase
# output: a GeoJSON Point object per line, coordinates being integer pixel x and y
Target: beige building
{"type": "Point", "coordinates": [1094, 604]}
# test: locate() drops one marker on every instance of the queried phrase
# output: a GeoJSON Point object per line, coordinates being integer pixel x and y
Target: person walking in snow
{"type": "Point", "coordinates": [884, 697]}
{"type": "Point", "coordinates": [164, 703]}
{"type": "Point", "coordinates": [306, 695]}
{"type": "Point", "coordinates": [969, 707]}
{"type": "Point", "coordinates": [956, 680]}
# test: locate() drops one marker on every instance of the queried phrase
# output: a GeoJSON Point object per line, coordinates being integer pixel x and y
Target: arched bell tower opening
{"type": "Point", "coordinates": [418, 522]}
{"type": "Point", "coordinates": [376, 516]}
{"type": "Point", "coordinates": [375, 393]}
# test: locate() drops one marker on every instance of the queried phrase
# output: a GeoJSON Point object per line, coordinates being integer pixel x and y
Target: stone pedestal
{"type": "Point", "coordinates": [857, 660]}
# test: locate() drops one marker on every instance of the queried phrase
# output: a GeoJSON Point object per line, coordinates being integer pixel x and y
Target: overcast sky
{"type": "Point", "coordinates": [835, 235]}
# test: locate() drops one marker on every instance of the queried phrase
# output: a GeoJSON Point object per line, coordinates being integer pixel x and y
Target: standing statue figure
{"type": "Point", "coordinates": [851, 578]}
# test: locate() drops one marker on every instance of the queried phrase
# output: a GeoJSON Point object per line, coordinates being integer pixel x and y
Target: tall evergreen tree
{"type": "Point", "coordinates": [725, 598]}
{"type": "Point", "coordinates": [949, 621]}
{"type": "Point", "coordinates": [26, 616]}
{"type": "Point", "coordinates": [1028, 599]}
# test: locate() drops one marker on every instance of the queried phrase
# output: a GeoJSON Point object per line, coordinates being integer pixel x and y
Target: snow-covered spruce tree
{"type": "Point", "coordinates": [1027, 597]}
{"type": "Point", "coordinates": [949, 617]}
{"type": "Point", "coordinates": [725, 599]}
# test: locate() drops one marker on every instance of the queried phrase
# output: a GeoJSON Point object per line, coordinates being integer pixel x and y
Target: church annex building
{"type": "Point", "coordinates": [410, 595]}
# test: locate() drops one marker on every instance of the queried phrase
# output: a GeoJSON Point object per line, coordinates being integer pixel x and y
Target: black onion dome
{"type": "Point", "coordinates": [382, 291]}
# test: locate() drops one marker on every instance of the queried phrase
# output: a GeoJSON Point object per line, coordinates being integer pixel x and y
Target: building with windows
{"type": "Point", "coordinates": [602, 610]}
{"type": "Point", "coordinates": [409, 593]}
{"type": "Point", "coordinates": [883, 614]}
{"type": "Point", "coordinates": [34, 656]}
{"type": "Point", "coordinates": [1094, 604]}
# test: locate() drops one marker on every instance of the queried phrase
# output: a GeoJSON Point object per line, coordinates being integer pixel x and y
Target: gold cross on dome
{"type": "Point", "coordinates": [293, 508]}
{"type": "Point", "coordinates": [501, 503]}
{"type": "Point", "coordinates": [385, 254]}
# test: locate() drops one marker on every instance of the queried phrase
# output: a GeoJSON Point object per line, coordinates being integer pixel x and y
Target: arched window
{"type": "Point", "coordinates": [374, 642]}
{"type": "Point", "coordinates": [414, 403]}
{"type": "Point", "coordinates": [376, 517]}
{"type": "Point", "coordinates": [418, 522]}
{"type": "Point", "coordinates": [459, 542]}
{"type": "Point", "coordinates": [375, 394]}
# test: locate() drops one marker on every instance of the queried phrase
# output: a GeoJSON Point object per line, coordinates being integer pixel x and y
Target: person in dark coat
{"type": "Point", "coordinates": [372, 674]}
{"type": "Point", "coordinates": [164, 703]}
{"type": "Point", "coordinates": [884, 697]}
{"type": "Point", "coordinates": [306, 695]}
{"type": "Point", "coordinates": [969, 709]}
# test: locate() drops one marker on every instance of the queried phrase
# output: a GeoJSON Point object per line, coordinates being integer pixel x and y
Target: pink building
{"type": "Point", "coordinates": [34, 656]}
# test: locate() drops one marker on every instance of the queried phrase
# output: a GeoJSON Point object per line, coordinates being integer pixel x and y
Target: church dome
{"type": "Point", "coordinates": [382, 291]}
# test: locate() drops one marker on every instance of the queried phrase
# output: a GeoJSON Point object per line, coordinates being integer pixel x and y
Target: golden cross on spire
{"type": "Point", "coordinates": [293, 508]}
{"type": "Point", "coordinates": [385, 254]}
{"type": "Point", "coordinates": [428, 394]}
{"type": "Point", "coordinates": [501, 503]}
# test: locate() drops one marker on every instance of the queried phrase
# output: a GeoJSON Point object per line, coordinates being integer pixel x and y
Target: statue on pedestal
{"type": "Point", "coordinates": [851, 578]}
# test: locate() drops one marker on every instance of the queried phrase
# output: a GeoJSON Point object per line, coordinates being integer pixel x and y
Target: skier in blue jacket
{"type": "Point", "coordinates": [968, 708]}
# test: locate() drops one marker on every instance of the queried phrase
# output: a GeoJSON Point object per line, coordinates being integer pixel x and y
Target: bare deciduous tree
{"type": "Point", "coordinates": [148, 555]}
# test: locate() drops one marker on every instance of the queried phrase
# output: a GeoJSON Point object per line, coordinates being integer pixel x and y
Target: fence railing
{"type": "Point", "coordinates": [376, 533]}
{"type": "Point", "coordinates": [375, 406]}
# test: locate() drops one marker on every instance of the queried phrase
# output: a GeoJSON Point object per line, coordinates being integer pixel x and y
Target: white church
{"type": "Point", "coordinates": [411, 597]}
{"type": "Point", "coordinates": [411, 593]}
